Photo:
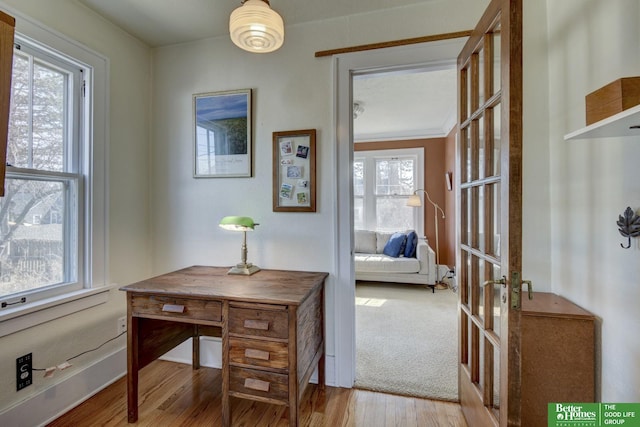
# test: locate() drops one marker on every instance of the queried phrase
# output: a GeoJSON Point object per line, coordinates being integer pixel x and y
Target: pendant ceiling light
{"type": "Point", "coordinates": [255, 27]}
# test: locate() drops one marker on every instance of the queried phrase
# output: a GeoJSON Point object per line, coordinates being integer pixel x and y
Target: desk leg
{"type": "Point", "coordinates": [132, 368]}
{"type": "Point", "coordinates": [321, 362]}
{"type": "Point", "coordinates": [321, 371]}
{"type": "Point", "coordinates": [226, 407]}
{"type": "Point", "coordinates": [195, 363]}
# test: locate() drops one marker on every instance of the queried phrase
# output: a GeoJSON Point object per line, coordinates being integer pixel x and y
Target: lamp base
{"type": "Point", "coordinates": [441, 285]}
{"type": "Point", "coordinates": [245, 269]}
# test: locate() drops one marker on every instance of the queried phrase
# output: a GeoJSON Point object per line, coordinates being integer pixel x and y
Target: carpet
{"type": "Point", "coordinates": [407, 340]}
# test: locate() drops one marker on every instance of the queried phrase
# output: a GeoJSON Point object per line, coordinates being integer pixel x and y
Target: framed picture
{"type": "Point", "coordinates": [222, 134]}
{"type": "Point", "coordinates": [294, 171]}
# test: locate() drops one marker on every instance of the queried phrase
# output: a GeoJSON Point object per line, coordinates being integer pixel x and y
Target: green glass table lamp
{"type": "Point", "coordinates": [244, 224]}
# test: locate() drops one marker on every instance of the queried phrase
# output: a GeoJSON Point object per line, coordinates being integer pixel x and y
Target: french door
{"type": "Point", "coordinates": [489, 220]}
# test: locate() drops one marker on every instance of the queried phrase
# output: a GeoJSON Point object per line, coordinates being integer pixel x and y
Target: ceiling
{"type": "Point", "coordinates": [396, 105]}
{"type": "Point", "coordinates": [163, 22]}
{"type": "Point", "coordinates": [404, 105]}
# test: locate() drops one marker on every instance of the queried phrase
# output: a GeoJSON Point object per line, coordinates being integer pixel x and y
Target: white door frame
{"type": "Point", "coordinates": [425, 55]}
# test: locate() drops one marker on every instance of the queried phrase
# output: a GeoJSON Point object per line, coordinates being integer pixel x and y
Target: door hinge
{"type": "Point", "coordinates": [84, 88]}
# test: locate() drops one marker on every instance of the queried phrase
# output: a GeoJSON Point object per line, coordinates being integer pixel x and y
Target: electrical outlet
{"type": "Point", "coordinates": [122, 325]}
{"type": "Point", "coordinates": [24, 371]}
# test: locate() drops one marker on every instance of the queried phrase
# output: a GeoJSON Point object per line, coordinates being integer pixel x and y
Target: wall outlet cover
{"type": "Point", "coordinates": [24, 371]}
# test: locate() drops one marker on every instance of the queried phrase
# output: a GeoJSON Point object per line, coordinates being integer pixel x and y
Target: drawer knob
{"type": "Point", "coordinates": [173, 308]}
{"type": "Point", "coordinates": [259, 385]}
{"type": "Point", "coordinates": [262, 325]}
{"type": "Point", "coordinates": [252, 353]}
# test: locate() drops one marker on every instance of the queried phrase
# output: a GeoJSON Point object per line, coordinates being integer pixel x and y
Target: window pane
{"type": "Point", "coordinates": [32, 218]}
{"type": "Point", "coordinates": [38, 115]}
{"type": "Point", "coordinates": [393, 214]}
{"type": "Point", "coordinates": [358, 178]}
{"type": "Point", "coordinates": [394, 177]}
{"type": "Point", "coordinates": [358, 213]}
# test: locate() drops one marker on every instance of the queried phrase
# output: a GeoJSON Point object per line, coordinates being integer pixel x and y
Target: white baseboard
{"type": "Point", "coordinates": [211, 357]}
{"type": "Point", "coordinates": [50, 403]}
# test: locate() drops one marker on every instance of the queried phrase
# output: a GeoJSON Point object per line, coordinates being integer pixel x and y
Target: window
{"type": "Point", "coordinates": [42, 216]}
{"type": "Point", "coordinates": [383, 180]}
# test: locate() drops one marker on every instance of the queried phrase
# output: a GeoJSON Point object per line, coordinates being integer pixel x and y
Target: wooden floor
{"type": "Point", "coordinates": [172, 394]}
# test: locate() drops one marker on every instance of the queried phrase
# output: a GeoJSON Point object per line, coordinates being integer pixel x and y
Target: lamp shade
{"type": "Point", "coordinates": [414, 201]}
{"type": "Point", "coordinates": [237, 223]}
{"type": "Point", "coordinates": [255, 27]}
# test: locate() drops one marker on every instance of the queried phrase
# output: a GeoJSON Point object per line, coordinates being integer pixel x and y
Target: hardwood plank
{"type": "Point", "coordinates": [172, 394]}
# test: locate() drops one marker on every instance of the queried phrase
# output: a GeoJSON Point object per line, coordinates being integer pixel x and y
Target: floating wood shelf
{"type": "Point", "coordinates": [614, 126]}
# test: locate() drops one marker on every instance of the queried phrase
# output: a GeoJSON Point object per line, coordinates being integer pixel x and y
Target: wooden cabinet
{"type": "Point", "coordinates": [7, 28]}
{"type": "Point", "coordinates": [558, 355]}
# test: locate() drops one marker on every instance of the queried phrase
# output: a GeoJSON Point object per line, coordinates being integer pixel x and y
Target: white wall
{"type": "Point", "coordinates": [536, 218]}
{"type": "Point", "coordinates": [292, 90]}
{"type": "Point", "coordinates": [51, 343]}
{"type": "Point", "coordinates": [592, 43]}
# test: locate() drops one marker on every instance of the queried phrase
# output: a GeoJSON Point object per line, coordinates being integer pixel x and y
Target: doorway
{"type": "Point", "coordinates": [398, 58]}
{"type": "Point", "coordinates": [402, 117]}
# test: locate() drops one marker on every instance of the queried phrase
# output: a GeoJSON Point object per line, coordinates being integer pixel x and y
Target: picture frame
{"type": "Point", "coordinates": [294, 171]}
{"type": "Point", "coordinates": [222, 134]}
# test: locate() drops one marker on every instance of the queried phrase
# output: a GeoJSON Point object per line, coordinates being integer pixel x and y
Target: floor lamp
{"type": "Point", "coordinates": [414, 201]}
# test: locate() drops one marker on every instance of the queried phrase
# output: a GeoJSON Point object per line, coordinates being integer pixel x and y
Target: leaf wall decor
{"type": "Point", "coordinates": [629, 225]}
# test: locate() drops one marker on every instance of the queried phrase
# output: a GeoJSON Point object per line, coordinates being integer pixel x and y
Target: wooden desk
{"type": "Point", "coordinates": [271, 323]}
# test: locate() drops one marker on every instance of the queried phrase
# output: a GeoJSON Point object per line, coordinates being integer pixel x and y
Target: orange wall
{"type": "Point", "coordinates": [435, 166]}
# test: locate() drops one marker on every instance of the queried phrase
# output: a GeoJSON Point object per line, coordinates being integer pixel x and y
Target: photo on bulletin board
{"type": "Point", "coordinates": [294, 171]}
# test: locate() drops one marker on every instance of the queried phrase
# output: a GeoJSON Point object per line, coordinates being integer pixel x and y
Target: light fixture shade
{"type": "Point", "coordinates": [414, 201]}
{"type": "Point", "coordinates": [237, 223]}
{"type": "Point", "coordinates": [255, 27]}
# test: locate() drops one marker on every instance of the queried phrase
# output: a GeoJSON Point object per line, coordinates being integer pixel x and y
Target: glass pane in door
{"type": "Point", "coordinates": [481, 290]}
{"type": "Point", "coordinates": [465, 154]}
{"type": "Point", "coordinates": [496, 140]}
{"type": "Point", "coordinates": [481, 362]}
{"type": "Point", "coordinates": [493, 203]}
{"type": "Point", "coordinates": [481, 73]}
{"type": "Point", "coordinates": [496, 296]}
{"type": "Point", "coordinates": [496, 58]}
{"type": "Point", "coordinates": [481, 148]}
{"type": "Point", "coordinates": [496, 378]}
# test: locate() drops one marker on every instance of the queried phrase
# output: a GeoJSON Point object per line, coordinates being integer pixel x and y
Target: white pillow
{"type": "Point", "coordinates": [365, 241]}
{"type": "Point", "coordinates": [381, 241]}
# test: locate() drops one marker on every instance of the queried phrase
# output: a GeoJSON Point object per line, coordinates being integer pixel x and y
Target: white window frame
{"type": "Point", "coordinates": [93, 277]}
{"type": "Point", "coordinates": [369, 158]}
{"type": "Point", "coordinates": [72, 177]}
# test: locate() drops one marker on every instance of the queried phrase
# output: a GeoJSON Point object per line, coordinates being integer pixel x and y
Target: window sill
{"type": "Point", "coordinates": [26, 316]}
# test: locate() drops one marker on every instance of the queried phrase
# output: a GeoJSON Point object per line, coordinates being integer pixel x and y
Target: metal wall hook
{"type": "Point", "coordinates": [628, 226]}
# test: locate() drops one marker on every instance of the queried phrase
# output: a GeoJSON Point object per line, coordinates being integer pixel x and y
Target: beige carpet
{"type": "Point", "coordinates": [406, 340]}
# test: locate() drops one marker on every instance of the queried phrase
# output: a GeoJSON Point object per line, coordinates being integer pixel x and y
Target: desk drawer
{"type": "Point", "coordinates": [177, 308]}
{"type": "Point", "coordinates": [264, 354]}
{"type": "Point", "coordinates": [259, 383]}
{"type": "Point", "coordinates": [259, 323]}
